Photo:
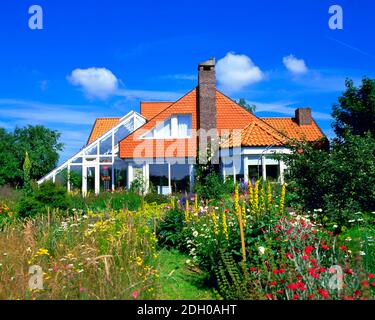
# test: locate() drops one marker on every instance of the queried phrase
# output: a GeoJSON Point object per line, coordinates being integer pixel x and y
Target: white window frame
{"type": "Point", "coordinates": [174, 128]}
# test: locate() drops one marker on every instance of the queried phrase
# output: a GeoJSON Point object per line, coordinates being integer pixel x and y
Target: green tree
{"type": "Point", "coordinates": [355, 110]}
{"type": "Point", "coordinates": [8, 160]}
{"type": "Point", "coordinates": [26, 172]}
{"type": "Point", "coordinates": [43, 147]}
{"type": "Point", "coordinates": [249, 107]}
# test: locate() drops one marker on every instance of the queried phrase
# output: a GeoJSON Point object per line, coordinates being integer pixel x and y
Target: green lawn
{"type": "Point", "coordinates": [179, 281]}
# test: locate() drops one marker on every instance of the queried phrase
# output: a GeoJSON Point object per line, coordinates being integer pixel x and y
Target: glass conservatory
{"type": "Point", "coordinates": [97, 167]}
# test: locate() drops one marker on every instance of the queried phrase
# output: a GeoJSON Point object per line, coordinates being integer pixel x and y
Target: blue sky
{"type": "Point", "coordinates": [278, 55]}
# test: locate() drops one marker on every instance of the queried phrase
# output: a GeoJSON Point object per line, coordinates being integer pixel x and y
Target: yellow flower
{"type": "Point", "coordinates": [139, 261]}
{"type": "Point", "coordinates": [282, 198]}
{"type": "Point", "coordinates": [214, 220]}
{"type": "Point", "coordinates": [236, 199]}
{"type": "Point", "coordinates": [225, 226]}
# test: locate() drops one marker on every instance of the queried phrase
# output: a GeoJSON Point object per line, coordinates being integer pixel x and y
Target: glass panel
{"type": "Point", "coordinates": [105, 178]}
{"type": "Point", "coordinates": [76, 178]}
{"type": "Point", "coordinates": [123, 131]}
{"type": "Point", "coordinates": [92, 151]}
{"type": "Point", "coordinates": [184, 126]}
{"type": "Point", "coordinates": [255, 172]}
{"type": "Point", "coordinates": [77, 160]}
{"type": "Point", "coordinates": [106, 146]}
{"type": "Point", "coordinates": [180, 178]}
{"type": "Point", "coordinates": [91, 179]}
{"type": "Point", "coordinates": [272, 172]}
{"type": "Point", "coordinates": [158, 178]}
{"type": "Point", "coordinates": [163, 130]}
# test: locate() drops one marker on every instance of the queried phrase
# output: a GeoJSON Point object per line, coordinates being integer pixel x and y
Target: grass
{"type": "Point", "coordinates": [179, 281]}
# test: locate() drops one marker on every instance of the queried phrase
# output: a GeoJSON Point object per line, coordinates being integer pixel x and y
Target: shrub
{"type": "Point", "coordinates": [156, 198]}
{"type": "Point", "coordinates": [118, 200]}
{"type": "Point", "coordinates": [170, 229]}
{"type": "Point", "coordinates": [213, 187]}
{"type": "Point", "coordinates": [47, 195]}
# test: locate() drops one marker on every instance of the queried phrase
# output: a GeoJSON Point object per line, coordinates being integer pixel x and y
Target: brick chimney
{"type": "Point", "coordinates": [208, 136]}
{"type": "Point", "coordinates": [207, 95]}
{"type": "Point", "coordinates": [303, 116]}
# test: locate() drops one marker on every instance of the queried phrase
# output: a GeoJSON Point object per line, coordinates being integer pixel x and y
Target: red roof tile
{"type": "Point", "coordinates": [291, 129]}
{"type": "Point", "coordinates": [151, 109]}
{"type": "Point", "coordinates": [101, 126]}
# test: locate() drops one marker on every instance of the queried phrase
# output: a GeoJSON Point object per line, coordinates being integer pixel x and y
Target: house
{"type": "Point", "coordinates": [162, 144]}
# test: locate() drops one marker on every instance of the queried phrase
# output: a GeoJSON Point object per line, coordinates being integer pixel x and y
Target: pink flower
{"type": "Point", "coordinates": [305, 258]}
{"type": "Point", "coordinates": [135, 294]}
{"type": "Point", "coordinates": [82, 289]}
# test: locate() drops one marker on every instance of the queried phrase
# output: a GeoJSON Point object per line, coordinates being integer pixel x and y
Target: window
{"type": "Point", "coordinates": [178, 126]}
{"type": "Point", "coordinates": [272, 172]}
{"type": "Point", "coordinates": [255, 172]}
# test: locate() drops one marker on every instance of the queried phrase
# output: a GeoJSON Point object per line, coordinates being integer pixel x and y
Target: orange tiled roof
{"type": "Point", "coordinates": [101, 126]}
{"type": "Point", "coordinates": [256, 134]}
{"type": "Point", "coordinates": [291, 129]}
{"type": "Point", "coordinates": [151, 109]}
{"type": "Point", "coordinates": [230, 116]}
{"type": "Point", "coordinates": [133, 146]}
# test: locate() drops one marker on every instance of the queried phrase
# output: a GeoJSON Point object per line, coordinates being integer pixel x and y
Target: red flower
{"type": "Point", "coordinates": [292, 286]}
{"type": "Point", "coordinates": [370, 276]}
{"type": "Point", "coordinates": [269, 296]}
{"type": "Point", "coordinates": [343, 248]}
{"type": "Point", "coordinates": [311, 296]}
{"type": "Point", "coordinates": [348, 298]}
{"type": "Point", "coordinates": [365, 283]}
{"type": "Point", "coordinates": [295, 297]}
{"type": "Point", "coordinates": [299, 277]}
{"type": "Point", "coordinates": [289, 255]}
{"type": "Point", "coordinates": [253, 269]}
{"type": "Point", "coordinates": [305, 258]}
{"type": "Point", "coordinates": [301, 286]}
{"type": "Point", "coordinates": [321, 270]}
{"type": "Point", "coordinates": [357, 293]}
{"type": "Point", "coordinates": [273, 283]}
{"type": "Point", "coordinates": [324, 247]}
{"type": "Point", "coordinates": [323, 293]}
{"type": "Point", "coordinates": [281, 291]}
{"type": "Point", "coordinates": [282, 271]}
{"type": "Point", "coordinates": [373, 284]}
{"type": "Point", "coordinates": [308, 250]}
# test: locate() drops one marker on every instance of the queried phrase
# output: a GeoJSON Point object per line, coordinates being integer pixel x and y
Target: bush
{"type": "Point", "coordinates": [156, 198]}
{"type": "Point", "coordinates": [170, 228]}
{"type": "Point", "coordinates": [341, 181]}
{"type": "Point", "coordinates": [47, 195]}
{"type": "Point", "coordinates": [107, 200]}
{"type": "Point", "coordinates": [213, 187]}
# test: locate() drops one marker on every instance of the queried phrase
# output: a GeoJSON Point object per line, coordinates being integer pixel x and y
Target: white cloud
{"type": "Point", "coordinates": [96, 82]}
{"type": "Point", "coordinates": [236, 71]}
{"type": "Point", "coordinates": [294, 65]}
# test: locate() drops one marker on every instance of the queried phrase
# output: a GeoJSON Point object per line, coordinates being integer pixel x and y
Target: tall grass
{"type": "Point", "coordinates": [96, 256]}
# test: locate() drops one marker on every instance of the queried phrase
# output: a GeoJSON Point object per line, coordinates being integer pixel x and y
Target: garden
{"type": "Point", "coordinates": [311, 238]}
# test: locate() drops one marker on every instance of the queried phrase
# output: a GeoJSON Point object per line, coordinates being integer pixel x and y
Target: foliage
{"type": "Point", "coordinates": [26, 173]}
{"type": "Point", "coordinates": [170, 229]}
{"type": "Point", "coordinates": [96, 256]}
{"type": "Point", "coordinates": [8, 160]}
{"type": "Point", "coordinates": [341, 181]}
{"type": "Point", "coordinates": [156, 198]}
{"type": "Point", "coordinates": [42, 145]}
{"type": "Point", "coordinates": [258, 251]}
{"type": "Point", "coordinates": [118, 200]}
{"type": "Point", "coordinates": [211, 186]}
{"type": "Point", "coordinates": [47, 195]}
{"type": "Point", "coordinates": [74, 177]}
{"type": "Point", "coordinates": [355, 111]}
{"type": "Point", "coordinates": [249, 107]}
{"type": "Point", "coordinates": [138, 185]}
